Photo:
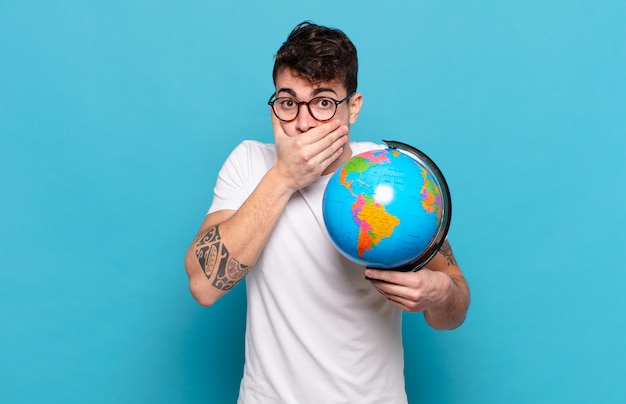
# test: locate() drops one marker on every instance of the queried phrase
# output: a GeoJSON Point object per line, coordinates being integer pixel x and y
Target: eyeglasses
{"type": "Point", "coordinates": [321, 108]}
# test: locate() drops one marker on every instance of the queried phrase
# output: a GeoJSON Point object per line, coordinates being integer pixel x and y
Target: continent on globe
{"type": "Point", "coordinates": [374, 222]}
{"type": "Point", "coordinates": [360, 164]}
{"type": "Point", "coordinates": [431, 197]}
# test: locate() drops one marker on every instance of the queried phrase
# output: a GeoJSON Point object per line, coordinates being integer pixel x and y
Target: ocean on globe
{"type": "Point", "coordinates": [388, 208]}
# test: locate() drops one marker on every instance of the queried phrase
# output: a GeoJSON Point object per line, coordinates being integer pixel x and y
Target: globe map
{"type": "Point", "coordinates": [386, 208]}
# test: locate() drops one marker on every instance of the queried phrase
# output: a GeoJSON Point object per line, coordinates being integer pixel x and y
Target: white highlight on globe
{"type": "Point", "coordinates": [383, 194]}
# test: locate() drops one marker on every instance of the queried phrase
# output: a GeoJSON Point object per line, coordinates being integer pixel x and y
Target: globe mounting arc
{"type": "Point", "coordinates": [442, 232]}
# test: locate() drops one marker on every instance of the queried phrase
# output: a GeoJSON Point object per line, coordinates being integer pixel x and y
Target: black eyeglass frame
{"type": "Point", "coordinates": [273, 99]}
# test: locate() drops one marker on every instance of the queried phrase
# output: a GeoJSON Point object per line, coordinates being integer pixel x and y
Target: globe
{"type": "Point", "coordinates": [388, 209]}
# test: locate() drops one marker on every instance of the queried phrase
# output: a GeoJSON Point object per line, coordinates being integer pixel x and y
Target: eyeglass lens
{"type": "Point", "coordinates": [321, 108]}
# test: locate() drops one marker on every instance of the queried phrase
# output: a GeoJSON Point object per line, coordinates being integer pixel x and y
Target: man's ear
{"type": "Point", "coordinates": [355, 106]}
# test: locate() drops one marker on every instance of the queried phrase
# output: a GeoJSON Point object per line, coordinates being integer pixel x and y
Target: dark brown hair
{"type": "Point", "coordinates": [317, 54]}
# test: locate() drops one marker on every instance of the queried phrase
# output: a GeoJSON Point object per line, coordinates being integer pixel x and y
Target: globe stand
{"type": "Point", "coordinates": [446, 216]}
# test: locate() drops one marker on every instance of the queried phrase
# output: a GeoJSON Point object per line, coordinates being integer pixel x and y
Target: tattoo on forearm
{"type": "Point", "coordinates": [446, 250]}
{"type": "Point", "coordinates": [211, 254]}
{"type": "Point", "coordinates": [207, 245]}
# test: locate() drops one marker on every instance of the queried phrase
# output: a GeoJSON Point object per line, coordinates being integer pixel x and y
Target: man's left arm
{"type": "Point", "coordinates": [439, 290]}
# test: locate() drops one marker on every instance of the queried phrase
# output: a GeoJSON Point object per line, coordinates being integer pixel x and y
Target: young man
{"type": "Point", "coordinates": [320, 329]}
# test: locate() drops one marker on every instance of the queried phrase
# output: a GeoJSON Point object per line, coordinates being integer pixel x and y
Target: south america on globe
{"type": "Point", "coordinates": [388, 208]}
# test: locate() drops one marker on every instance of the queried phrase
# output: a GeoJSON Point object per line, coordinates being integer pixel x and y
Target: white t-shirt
{"type": "Point", "coordinates": [317, 331]}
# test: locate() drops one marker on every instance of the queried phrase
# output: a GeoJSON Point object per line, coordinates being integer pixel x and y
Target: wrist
{"type": "Point", "coordinates": [444, 291]}
{"type": "Point", "coordinates": [280, 183]}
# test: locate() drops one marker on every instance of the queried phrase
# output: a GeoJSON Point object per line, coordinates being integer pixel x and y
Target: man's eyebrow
{"type": "Point", "coordinates": [314, 93]}
{"type": "Point", "coordinates": [323, 90]}
{"type": "Point", "coordinates": [286, 90]}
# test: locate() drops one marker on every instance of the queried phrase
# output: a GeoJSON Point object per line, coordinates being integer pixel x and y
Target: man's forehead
{"type": "Point", "coordinates": [290, 82]}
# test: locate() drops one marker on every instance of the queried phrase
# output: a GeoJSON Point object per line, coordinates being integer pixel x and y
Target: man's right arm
{"type": "Point", "coordinates": [230, 242]}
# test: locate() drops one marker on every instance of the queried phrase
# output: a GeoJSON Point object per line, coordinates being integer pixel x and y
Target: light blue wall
{"type": "Point", "coordinates": [115, 117]}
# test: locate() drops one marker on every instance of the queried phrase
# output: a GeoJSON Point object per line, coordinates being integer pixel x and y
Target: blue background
{"type": "Point", "coordinates": [116, 116]}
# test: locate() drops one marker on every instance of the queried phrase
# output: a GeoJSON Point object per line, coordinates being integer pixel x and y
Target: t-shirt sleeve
{"type": "Point", "coordinates": [239, 175]}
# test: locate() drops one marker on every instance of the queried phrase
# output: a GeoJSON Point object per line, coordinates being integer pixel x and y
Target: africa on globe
{"type": "Point", "coordinates": [388, 208]}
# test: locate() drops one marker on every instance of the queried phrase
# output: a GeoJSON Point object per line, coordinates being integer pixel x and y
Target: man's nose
{"type": "Point", "coordinates": [305, 120]}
